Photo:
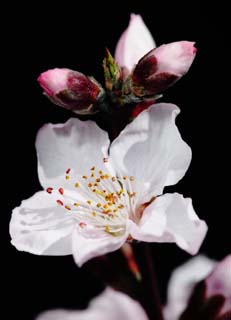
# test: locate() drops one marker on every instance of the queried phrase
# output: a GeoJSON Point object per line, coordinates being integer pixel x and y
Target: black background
{"type": "Point", "coordinates": [74, 35]}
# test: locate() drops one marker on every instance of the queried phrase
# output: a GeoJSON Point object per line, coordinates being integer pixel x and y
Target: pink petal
{"type": "Point", "coordinates": [182, 282]}
{"type": "Point", "coordinates": [134, 43]}
{"type": "Point", "coordinates": [54, 80]}
{"type": "Point", "coordinates": [219, 282]}
{"type": "Point", "coordinates": [174, 58]}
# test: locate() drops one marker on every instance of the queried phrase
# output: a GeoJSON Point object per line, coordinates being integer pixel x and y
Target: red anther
{"type": "Point", "coordinates": [61, 191]}
{"type": "Point", "coordinates": [82, 224]}
{"type": "Point", "coordinates": [49, 190]}
{"type": "Point", "coordinates": [59, 202]}
{"type": "Point", "coordinates": [68, 171]}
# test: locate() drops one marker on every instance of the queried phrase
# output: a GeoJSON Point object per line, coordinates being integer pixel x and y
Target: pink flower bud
{"type": "Point", "coordinates": [70, 89]}
{"type": "Point", "coordinates": [133, 44]}
{"type": "Point", "coordinates": [162, 67]}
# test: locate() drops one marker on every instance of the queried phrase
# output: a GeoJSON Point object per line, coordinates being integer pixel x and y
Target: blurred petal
{"type": "Point", "coordinates": [39, 226]}
{"type": "Point", "coordinates": [134, 43]}
{"type": "Point", "coordinates": [182, 282]}
{"type": "Point", "coordinates": [109, 305]}
{"type": "Point", "coordinates": [219, 283]}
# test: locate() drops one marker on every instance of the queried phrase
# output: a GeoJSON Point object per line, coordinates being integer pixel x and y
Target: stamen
{"type": "Point", "coordinates": [67, 177]}
{"type": "Point", "coordinates": [68, 171]}
{"type": "Point", "coordinates": [105, 160]}
{"type": "Point", "coordinates": [76, 185]}
{"type": "Point", "coordinates": [59, 202]}
{"type": "Point", "coordinates": [84, 177]}
{"type": "Point", "coordinates": [67, 207]}
{"type": "Point", "coordinates": [93, 168]}
{"type": "Point", "coordinates": [61, 191]}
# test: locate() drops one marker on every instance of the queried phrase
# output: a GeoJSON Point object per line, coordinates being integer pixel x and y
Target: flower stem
{"type": "Point", "coordinates": [150, 293]}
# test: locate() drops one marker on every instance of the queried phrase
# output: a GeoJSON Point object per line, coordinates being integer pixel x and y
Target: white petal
{"type": "Point", "coordinates": [134, 43]}
{"type": "Point", "coordinates": [152, 223]}
{"type": "Point", "coordinates": [176, 221]}
{"type": "Point", "coordinates": [86, 247]}
{"type": "Point", "coordinates": [39, 226]}
{"type": "Point", "coordinates": [76, 144]}
{"type": "Point", "coordinates": [182, 282]}
{"type": "Point", "coordinates": [109, 305]}
{"type": "Point", "coordinates": [151, 148]}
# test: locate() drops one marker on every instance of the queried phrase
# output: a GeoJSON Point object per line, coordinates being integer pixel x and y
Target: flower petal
{"type": "Point", "coordinates": [175, 58]}
{"type": "Point", "coordinates": [134, 43]}
{"type": "Point", "coordinates": [182, 225]}
{"type": "Point", "coordinates": [39, 226]}
{"type": "Point", "coordinates": [151, 148]}
{"type": "Point", "coordinates": [219, 282]}
{"type": "Point", "coordinates": [109, 305]}
{"type": "Point", "coordinates": [75, 144]}
{"type": "Point", "coordinates": [182, 282]}
{"type": "Point", "coordinates": [93, 243]}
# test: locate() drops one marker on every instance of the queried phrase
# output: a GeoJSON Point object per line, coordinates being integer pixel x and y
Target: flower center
{"type": "Point", "coordinates": [97, 200]}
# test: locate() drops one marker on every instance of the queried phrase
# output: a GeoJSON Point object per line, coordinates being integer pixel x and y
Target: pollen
{"type": "Point", "coordinates": [76, 185]}
{"type": "Point", "coordinates": [67, 177]}
{"type": "Point", "coordinates": [107, 229]}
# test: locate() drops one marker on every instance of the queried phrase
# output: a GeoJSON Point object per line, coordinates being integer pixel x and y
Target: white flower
{"type": "Point", "coordinates": [97, 195]}
{"type": "Point", "coordinates": [109, 305]}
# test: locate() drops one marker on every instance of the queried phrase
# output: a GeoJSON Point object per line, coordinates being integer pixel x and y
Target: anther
{"type": "Point", "coordinates": [59, 202]}
{"type": "Point", "coordinates": [49, 190]}
{"type": "Point", "coordinates": [61, 191]}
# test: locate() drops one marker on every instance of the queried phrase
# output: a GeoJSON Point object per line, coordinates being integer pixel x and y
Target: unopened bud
{"type": "Point", "coordinates": [71, 90]}
{"type": "Point", "coordinates": [162, 67]}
